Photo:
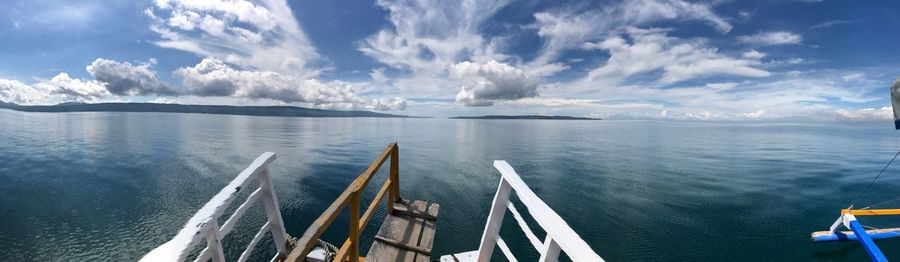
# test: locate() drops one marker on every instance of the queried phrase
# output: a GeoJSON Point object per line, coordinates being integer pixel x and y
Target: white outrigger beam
{"type": "Point", "coordinates": [560, 237]}
{"type": "Point", "coordinates": [858, 232]}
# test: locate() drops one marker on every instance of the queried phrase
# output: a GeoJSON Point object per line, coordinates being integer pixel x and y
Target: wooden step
{"type": "Point", "coordinates": [407, 234]}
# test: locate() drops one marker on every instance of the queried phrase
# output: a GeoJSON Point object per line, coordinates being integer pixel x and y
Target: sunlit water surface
{"type": "Point", "coordinates": [112, 186]}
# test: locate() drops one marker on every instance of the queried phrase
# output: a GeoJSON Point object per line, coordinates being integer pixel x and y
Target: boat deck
{"type": "Point", "coordinates": [407, 234]}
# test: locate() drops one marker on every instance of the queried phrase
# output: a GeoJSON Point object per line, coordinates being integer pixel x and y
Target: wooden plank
{"type": "Point", "coordinates": [428, 230]}
{"type": "Point", "coordinates": [402, 245]}
{"type": "Point", "coordinates": [402, 229]}
{"type": "Point", "coordinates": [871, 212]}
{"type": "Point", "coordinates": [404, 210]}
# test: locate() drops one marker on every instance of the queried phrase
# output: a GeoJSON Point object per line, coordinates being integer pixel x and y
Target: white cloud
{"type": "Point", "coordinates": [772, 38]}
{"type": "Point", "coordinates": [566, 29]}
{"type": "Point", "coordinates": [428, 37]}
{"type": "Point", "coordinates": [645, 11]}
{"type": "Point", "coordinates": [831, 23]}
{"type": "Point", "coordinates": [484, 83]}
{"type": "Point", "coordinates": [252, 50]}
{"type": "Point", "coordinates": [60, 88]}
{"type": "Point", "coordinates": [54, 15]}
{"type": "Point", "coordinates": [12, 91]}
{"type": "Point", "coordinates": [213, 77]}
{"type": "Point", "coordinates": [125, 79]}
{"type": "Point", "coordinates": [883, 113]}
{"type": "Point", "coordinates": [753, 54]}
{"type": "Point", "coordinates": [255, 35]}
{"type": "Point", "coordinates": [652, 50]}
{"type": "Point", "coordinates": [74, 89]}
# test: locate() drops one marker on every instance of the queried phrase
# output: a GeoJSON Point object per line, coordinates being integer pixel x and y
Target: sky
{"type": "Point", "coordinates": [639, 59]}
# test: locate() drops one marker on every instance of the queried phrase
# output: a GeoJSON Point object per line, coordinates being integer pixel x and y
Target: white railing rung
{"type": "Point", "coordinates": [550, 251]}
{"type": "Point", "coordinates": [204, 256]}
{"type": "Point", "coordinates": [505, 250]}
{"type": "Point", "coordinates": [259, 235]}
{"type": "Point", "coordinates": [214, 243]}
{"type": "Point", "coordinates": [239, 212]}
{"type": "Point", "coordinates": [528, 233]}
{"type": "Point", "coordinates": [273, 213]}
{"type": "Point", "coordinates": [494, 221]}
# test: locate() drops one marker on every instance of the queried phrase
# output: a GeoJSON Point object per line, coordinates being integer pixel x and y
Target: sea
{"type": "Point", "coordinates": [108, 186]}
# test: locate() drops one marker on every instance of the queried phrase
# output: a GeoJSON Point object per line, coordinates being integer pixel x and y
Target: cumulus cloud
{"type": "Point", "coordinates": [60, 88]}
{"type": "Point", "coordinates": [123, 78]}
{"type": "Point", "coordinates": [12, 91]}
{"type": "Point", "coordinates": [212, 77]}
{"type": "Point", "coordinates": [772, 38]}
{"type": "Point", "coordinates": [261, 35]}
{"type": "Point", "coordinates": [485, 82]}
{"type": "Point", "coordinates": [75, 89]}
{"type": "Point", "coordinates": [652, 50]}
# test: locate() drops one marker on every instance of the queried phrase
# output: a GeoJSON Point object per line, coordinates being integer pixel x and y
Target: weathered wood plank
{"type": "Point", "coordinates": [427, 239]}
{"type": "Point", "coordinates": [404, 210]}
{"type": "Point", "coordinates": [403, 237]}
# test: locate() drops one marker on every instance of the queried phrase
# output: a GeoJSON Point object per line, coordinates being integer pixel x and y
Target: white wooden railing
{"type": "Point", "coordinates": [204, 224]}
{"type": "Point", "coordinates": [559, 235]}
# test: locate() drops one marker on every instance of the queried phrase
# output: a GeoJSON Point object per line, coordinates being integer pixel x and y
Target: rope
{"type": "Point", "coordinates": [330, 250]}
{"type": "Point", "coordinates": [873, 180]}
{"type": "Point", "coordinates": [881, 203]}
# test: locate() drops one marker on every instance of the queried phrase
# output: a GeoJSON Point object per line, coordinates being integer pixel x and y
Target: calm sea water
{"type": "Point", "coordinates": [112, 186]}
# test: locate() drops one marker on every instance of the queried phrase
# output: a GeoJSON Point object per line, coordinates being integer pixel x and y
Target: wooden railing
{"type": "Point", "coordinates": [204, 223]}
{"type": "Point", "coordinates": [351, 197]}
{"type": "Point", "coordinates": [559, 235]}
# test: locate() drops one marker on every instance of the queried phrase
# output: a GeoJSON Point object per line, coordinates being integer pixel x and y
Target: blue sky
{"type": "Point", "coordinates": [657, 59]}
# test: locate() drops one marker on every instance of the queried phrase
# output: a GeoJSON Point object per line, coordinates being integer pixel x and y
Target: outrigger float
{"type": "Point", "coordinates": [407, 233]}
{"type": "Point", "coordinates": [858, 232]}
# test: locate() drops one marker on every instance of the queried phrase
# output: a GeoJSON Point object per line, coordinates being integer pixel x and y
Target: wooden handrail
{"type": "Point", "coordinates": [351, 197]}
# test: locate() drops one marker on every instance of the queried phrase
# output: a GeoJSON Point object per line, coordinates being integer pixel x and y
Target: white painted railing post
{"type": "Point", "coordinates": [560, 237]}
{"type": "Point", "coordinates": [214, 242]}
{"type": "Point", "coordinates": [273, 212]}
{"type": "Point", "coordinates": [550, 253]}
{"type": "Point", "coordinates": [494, 221]}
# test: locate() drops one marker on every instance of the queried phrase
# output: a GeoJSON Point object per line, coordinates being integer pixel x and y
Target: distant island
{"type": "Point", "coordinates": [540, 117]}
{"type": "Point", "coordinates": [284, 111]}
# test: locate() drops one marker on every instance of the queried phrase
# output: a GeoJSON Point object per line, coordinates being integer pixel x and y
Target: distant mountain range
{"type": "Point", "coordinates": [539, 117]}
{"type": "Point", "coordinates": [285, 111]}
